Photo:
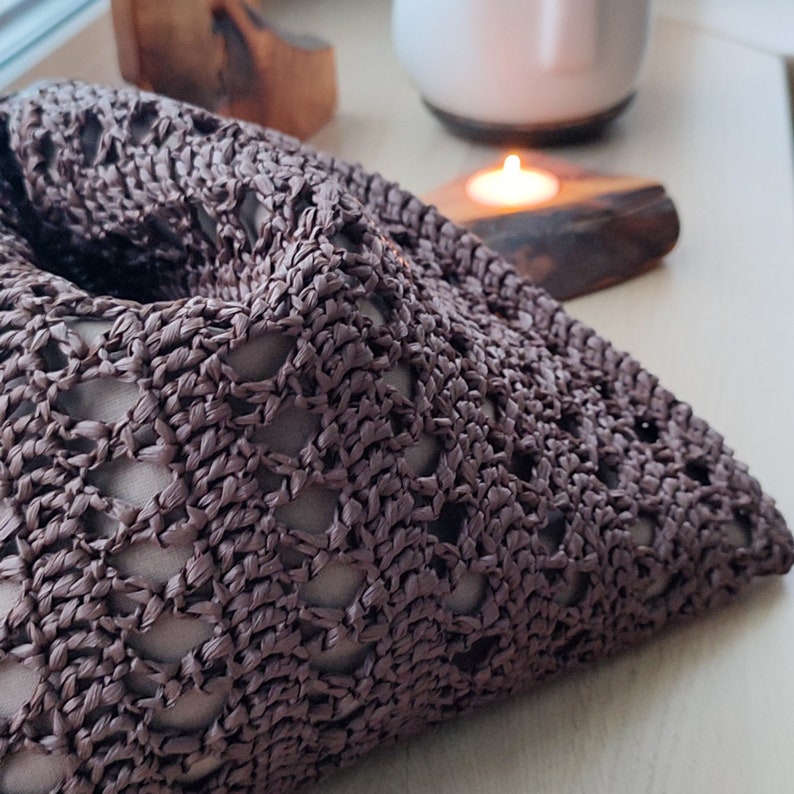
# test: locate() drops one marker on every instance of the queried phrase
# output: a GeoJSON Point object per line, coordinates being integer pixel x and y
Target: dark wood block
{"type": "Point", "coordinates": [597, 231]}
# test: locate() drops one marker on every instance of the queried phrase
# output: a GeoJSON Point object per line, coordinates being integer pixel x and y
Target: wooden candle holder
{"type": "Point", "coordinates": [223, 55]}
{"type": "Point", "coordinates": [597, 231]}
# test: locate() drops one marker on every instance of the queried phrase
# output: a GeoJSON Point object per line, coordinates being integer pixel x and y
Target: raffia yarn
{"type": "Point", "coordinates": [292, 467]}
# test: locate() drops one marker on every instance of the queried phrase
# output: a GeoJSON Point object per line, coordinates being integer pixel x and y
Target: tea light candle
{"type": "Point", "coordinates": [512, 185]}
{"type": "Point", "coordinates": [569, 229]}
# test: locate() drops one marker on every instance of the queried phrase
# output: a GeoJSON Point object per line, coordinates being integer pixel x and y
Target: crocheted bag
{"type": "Point", "coordinates": [291, 466]}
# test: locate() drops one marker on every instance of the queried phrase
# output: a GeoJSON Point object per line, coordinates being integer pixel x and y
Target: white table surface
{"type": "Point", "coordinates": [764, 24]}
{"type": "Point", "coordinates": [705, 707]}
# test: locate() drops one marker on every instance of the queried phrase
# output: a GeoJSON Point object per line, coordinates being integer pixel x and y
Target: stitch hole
{"type": "Point", "coordinates": [142, 120]}
{"type": "Point", "coordinates": [267, 480]}
{"type": "Point", "coordinates": [162, 231]}
{"type": "Point", "coordinates": [132, 481]}
{"type": "Point", "coordinates": [10, 593]}
{"type": "Point", "coordinates": [522, 465]}
{"type": "Point", "coordinates": [401, 379]}
{"type": "Point", "coordinates": [289, 431]}
{"type": "Point", "coordinates": [206, 222]}
{"type": "Point", "coordinates": [89, 330]}
{"type": "Point", "coordinates": [553, 533]}
{"type": "Point", "coordinates": [253, 215]}
{"type": "Point", "coordinates": [170, 637]}
{"type": "Point", "coordinates": [658, 585]}
{"type": "Point", "coordinates": [151, 561]}
{"type": "Point", "coordinates": [303, 202]}
{"type": "Point", "coordinates": [199, 770]}
{"type": "Point", "coordinates": [569, 423]}
{"type": "Point", "coordinates": [449, 524]}
{"type": "Point", "coordinates": [17, 685]}
{"type": "Point", "coordinates": [460, 344]}
{"type": "Point", "coordinates": [344, 656]}
{"type": "Point", "coordinates": [696, 470]}
{"type": "Point", "coordinates": [739, 530]}
{"type": "Point", "coordinates": [291, 557]}
{"type": "Point", "coordinates": [608, 475]}
{"type": "Point", "coordinates": [90, 133]}
{"type": "Point", "coordinates": [647, 430]}
{"type": "Point", "coordinates": [335, 586]}
{"type": "Point", "coordinates": [112, 153]}
{"type": "Point", "coordinates": [474, 658]}
{"type": "Point", "coordinates": [643, 529]}
{"type": "Point", "coordinates": [312, 511]}
{"type": "Point", "coordinates": [48, 156]}
{"type": "Point", "coordinates": [52, 356]}
{"type": "Point", "coordinates": [262, 357]}
{"type": "Point", "coordinates": [32, 772]}
{"type": "Point", "coordinates": [205, 124]}
{"type": "Point", "coordinates": [190, 711]}
{"type": "Point", "coordinates": [467, 596]}
{"type": "Point", "coordinates": [18, 405]}
{"type": "Point", "coordinates": [570, 591]}
{"type": "Point", "coordinates": [99, 524]}
{"type": "Point", "coordinates": [376, 307]}
{"type": "Point", "coordinates": [107, 400]}
{"type": "Point", "coordinates": [422, 457]}
{"type": "Point", "coordinates": [349, 238]}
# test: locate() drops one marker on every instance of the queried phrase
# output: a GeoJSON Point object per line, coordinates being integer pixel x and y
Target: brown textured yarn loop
{"type": "Point", "coordinates": [291, 466]}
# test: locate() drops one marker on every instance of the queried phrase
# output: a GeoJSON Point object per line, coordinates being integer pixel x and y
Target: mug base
{"type": "Point", "coordinates": [553, 133]}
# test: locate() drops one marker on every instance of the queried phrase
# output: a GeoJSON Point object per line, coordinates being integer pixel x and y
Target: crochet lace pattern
{"type": "Point", "coordinates": [292, 466]}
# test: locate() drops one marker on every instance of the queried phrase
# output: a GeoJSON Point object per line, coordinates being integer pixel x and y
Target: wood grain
{"type": "Point", "coordinates": [224, 56]}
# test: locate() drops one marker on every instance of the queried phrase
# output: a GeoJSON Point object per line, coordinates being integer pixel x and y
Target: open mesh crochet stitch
{"type": "Point", "coordinates": [292, 466]}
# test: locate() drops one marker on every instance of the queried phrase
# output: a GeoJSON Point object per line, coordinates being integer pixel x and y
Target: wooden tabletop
{"type": "Point", "coordinates": [705, 707]}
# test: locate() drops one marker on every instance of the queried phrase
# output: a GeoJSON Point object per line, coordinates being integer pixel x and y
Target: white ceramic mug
{"type": "Point", "coordinates": [523, 64]}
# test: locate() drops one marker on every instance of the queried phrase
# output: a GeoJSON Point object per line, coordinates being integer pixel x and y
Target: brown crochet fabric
{"type": "Point", "coordinates": [291, 466]}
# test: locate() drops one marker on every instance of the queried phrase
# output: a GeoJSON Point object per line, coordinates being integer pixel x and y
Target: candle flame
{"type": "Point", "coordinates": [512, 185]}
{"type": "Point", "coordinates": [512, 164]}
